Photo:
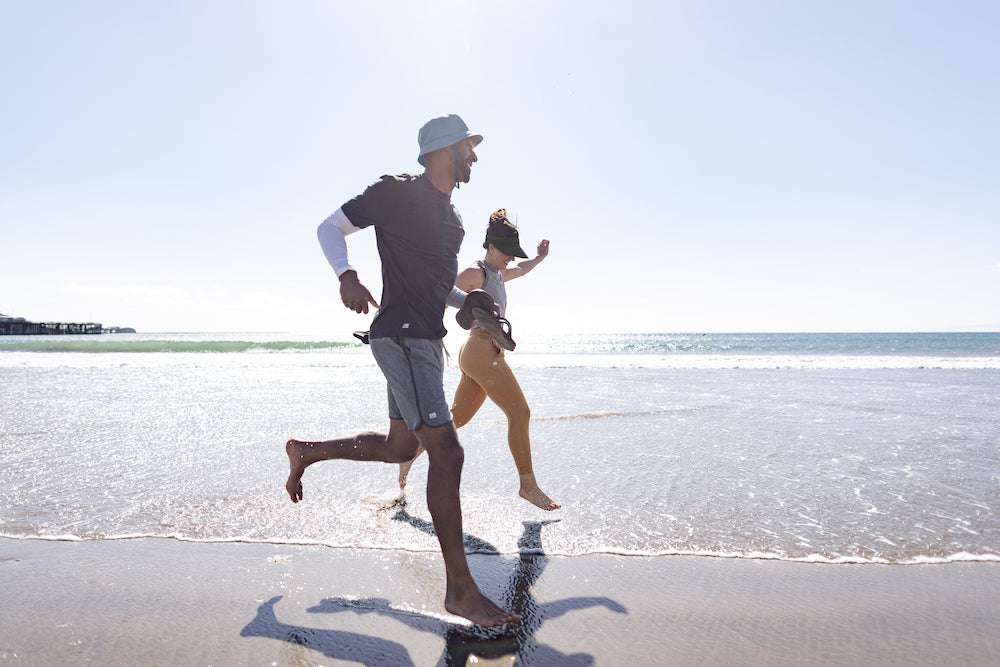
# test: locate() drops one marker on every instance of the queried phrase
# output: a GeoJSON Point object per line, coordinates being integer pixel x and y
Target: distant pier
{"type": "Point", "coordinates": [21, 327]}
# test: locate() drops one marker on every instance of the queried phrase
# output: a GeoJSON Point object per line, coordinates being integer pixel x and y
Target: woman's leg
{"type": "Point", "coordinates": [483, 363]}
{"type": "Point", "coordinates": [469, 397]}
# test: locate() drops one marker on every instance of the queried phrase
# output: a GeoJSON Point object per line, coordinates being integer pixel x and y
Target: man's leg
{"type": "Point", "coordinates": [414, 371]}
{"type": "Point", "coordinates": [398, 445]}
{"type": "Point", "coordinates": [444, 474]}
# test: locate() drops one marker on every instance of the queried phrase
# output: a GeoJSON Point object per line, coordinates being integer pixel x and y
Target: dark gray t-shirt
{"type": "Point", "coordinates": [419, 234]}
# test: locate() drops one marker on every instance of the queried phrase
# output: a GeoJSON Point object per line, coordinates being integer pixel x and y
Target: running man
{"type": "Point", "coordinates": [419, 233]}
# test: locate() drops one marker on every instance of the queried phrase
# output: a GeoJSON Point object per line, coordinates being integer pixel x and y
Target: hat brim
{"type": "Point", "coordinates": [508, 245]}
{"type": "Point", "coordinates": [445, 142]}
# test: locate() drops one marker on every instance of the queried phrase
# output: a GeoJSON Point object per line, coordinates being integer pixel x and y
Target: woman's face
{"type": "Point", "coordinates": [500, 259]}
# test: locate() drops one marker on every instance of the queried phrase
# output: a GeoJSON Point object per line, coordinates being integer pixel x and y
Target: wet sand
{"type": "Point", "coordinates": [165, 602]}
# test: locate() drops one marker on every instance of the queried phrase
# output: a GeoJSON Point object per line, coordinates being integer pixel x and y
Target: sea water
{"type": "Point", "coordinates": [861, 448]}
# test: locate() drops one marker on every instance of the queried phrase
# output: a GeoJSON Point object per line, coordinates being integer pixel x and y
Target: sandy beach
{"type": "Point", "coordinates": [166, 602]}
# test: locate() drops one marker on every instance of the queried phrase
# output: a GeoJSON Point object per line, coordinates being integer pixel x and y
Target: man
{"type": "Point", "coordinates": [419, 234]}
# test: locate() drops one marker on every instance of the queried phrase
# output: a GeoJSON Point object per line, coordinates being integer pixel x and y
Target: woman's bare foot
{"type": "Point", "coordinates": [295, 469]}
{"type": "Point", "coordinates": [404, 470]}
{"type": "Point", "coordinates": [480, 610]}
{"type": "Point", "coordinates": [534, 495]}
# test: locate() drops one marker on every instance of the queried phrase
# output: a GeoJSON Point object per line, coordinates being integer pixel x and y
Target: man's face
{"type": "Point", "coordinates": [466, 155]}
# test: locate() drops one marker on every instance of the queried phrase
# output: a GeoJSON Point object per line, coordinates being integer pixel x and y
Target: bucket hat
{"type": "Point", "coordinates": [442, 132]}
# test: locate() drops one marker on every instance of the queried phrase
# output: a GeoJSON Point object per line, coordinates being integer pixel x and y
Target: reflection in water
{"type": "Point", "coordinates": [461, 641]}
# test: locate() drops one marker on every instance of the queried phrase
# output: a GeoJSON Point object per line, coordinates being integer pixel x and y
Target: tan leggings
{"type": "Point", "coordinates": [485, 373]}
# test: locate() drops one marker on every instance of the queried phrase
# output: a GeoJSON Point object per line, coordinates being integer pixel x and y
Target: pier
{"type": "Point", "coordinates": [17, 326]}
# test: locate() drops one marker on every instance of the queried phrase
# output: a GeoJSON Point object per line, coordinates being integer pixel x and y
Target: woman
{"type": "Point", "coordinates": [484, 370]}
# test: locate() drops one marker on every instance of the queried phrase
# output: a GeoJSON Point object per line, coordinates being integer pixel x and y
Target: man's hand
{"type": "Point", "coordinates": [355, 295]}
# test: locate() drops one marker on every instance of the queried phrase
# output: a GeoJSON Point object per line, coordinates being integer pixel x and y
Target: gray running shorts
{"type": "Point", "coordinates": [414, 371]}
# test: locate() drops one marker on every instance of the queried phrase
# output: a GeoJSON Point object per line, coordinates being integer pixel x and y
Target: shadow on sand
{"type": "Point", "coordinates": [461, 641]}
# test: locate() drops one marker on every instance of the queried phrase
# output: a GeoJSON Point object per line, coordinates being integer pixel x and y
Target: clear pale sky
{"type": "Point", "coordinates": [697, 166]}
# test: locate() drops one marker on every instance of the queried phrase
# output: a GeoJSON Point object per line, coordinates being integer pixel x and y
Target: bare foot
{"type": "Point", "coordinates": [404, 470]}
{"type": "Point", "coordinates": [295, 469]}
{"type": "Point", "coordinates": [480, 610]}
{"type": "Point", "coordinates": [534, 495]}
{"type": "Point", "coordinates": [538, 498]}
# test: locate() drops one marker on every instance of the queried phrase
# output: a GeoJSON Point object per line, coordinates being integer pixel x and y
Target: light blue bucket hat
{"type": "Point", "coordinates": [442, 132]}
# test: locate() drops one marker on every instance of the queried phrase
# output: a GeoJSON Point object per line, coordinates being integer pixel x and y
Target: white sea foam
{"type": "Point", "coordinates": [758, 362]}
{"type": "Point", "coordinates": [650, 454]}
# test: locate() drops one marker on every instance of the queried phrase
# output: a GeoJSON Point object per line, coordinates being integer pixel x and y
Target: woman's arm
{"type": "Point", "coordinates": [470, 279]}
{"type": "Point", "coordinates": [522, 268]}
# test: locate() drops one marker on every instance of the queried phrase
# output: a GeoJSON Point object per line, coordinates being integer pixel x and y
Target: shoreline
{"type": "Point", "coordinates": [163, 601]}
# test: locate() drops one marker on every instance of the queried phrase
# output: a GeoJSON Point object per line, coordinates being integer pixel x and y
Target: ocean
{"type": "Point", "coordinates": [828, 448]}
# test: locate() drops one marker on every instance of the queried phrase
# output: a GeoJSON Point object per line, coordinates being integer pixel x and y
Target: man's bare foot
{"type": "Point", "coordinates": [295, 469]}
{"type": "Point", "coordinates": [534, 495]}
{"type": "Point", "coordinates": [480, 610]}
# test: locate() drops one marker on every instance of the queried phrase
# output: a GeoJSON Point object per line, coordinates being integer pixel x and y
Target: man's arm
{"type": "Point", "coordinates": [332, 234]}
{"type": "Point", "coordinates": [468, 280]}
{"type": "Point", "coordinates": [456, 298]}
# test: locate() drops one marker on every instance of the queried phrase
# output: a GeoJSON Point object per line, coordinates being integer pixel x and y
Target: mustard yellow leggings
{"type": "Point", "coordinates": [485, 373]}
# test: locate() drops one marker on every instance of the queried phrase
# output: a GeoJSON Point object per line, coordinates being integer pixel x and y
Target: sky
{"type": "Point", "coordinates": [698, 166]}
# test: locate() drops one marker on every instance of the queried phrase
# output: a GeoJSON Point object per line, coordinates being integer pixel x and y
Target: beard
{"type": "Point", "coordinates": [464, 172]}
